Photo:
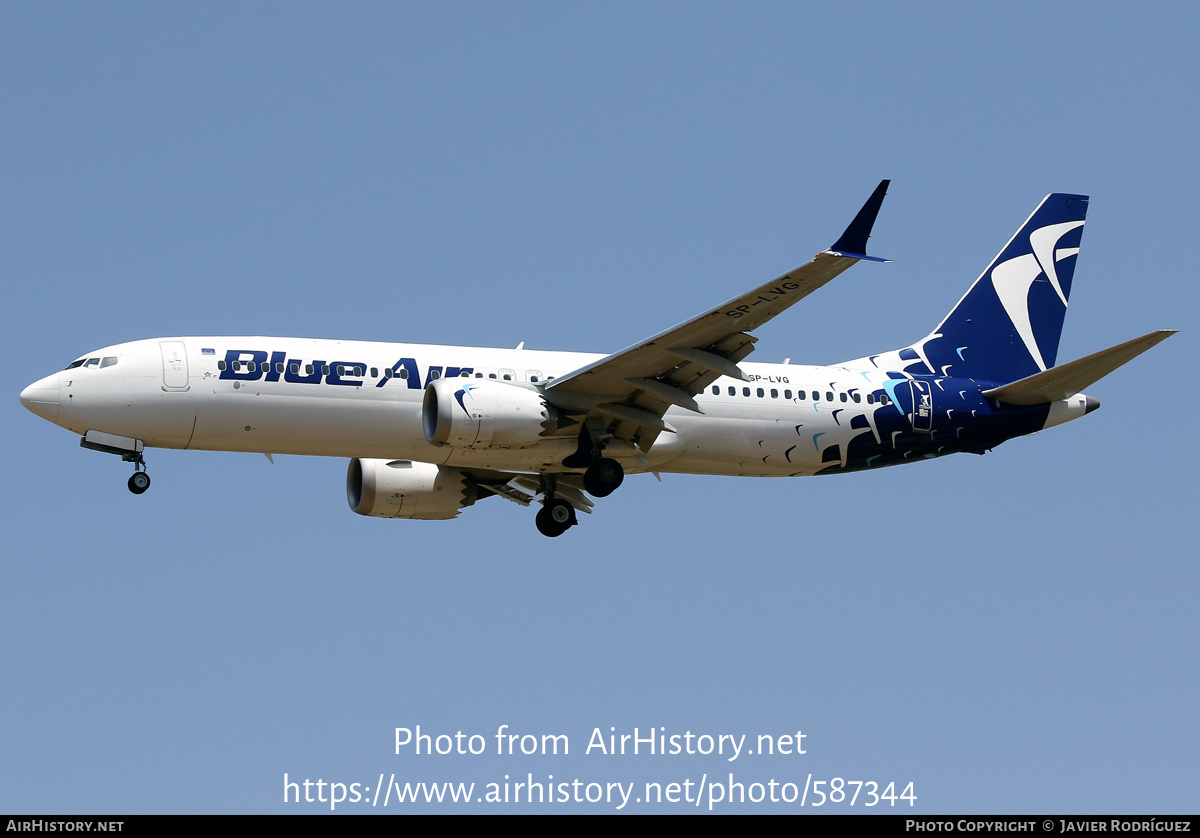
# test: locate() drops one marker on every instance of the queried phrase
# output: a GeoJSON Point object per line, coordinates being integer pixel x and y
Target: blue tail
{"type": "Point", "coordinates": [1008, 325]}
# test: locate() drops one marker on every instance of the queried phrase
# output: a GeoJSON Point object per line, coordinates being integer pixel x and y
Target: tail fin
{"type": "Point", "coordinates": [1008, 324]}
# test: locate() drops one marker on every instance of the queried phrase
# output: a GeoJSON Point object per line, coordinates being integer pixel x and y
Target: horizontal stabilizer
{"type": "Point", "coordinates": [1067, 380]}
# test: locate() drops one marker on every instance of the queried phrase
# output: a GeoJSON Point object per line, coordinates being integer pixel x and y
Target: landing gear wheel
{"type": "Point", "coordinates": [602, 478]}
{"type": "Point", "coordinates": [555, 518]}
{"type": "Point", "coordinates": [139, 482]}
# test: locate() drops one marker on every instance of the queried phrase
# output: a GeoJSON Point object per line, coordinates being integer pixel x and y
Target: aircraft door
{"type": "Point", "coordinates": [922, 406]}
{"type": "Point", "coordinates": [174, 365]}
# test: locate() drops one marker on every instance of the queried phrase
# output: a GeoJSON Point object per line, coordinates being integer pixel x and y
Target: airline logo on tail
{"type": "Point", "coordinates": [1014, 278]}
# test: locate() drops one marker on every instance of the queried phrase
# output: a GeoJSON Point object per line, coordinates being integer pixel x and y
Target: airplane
{"type": "Point", "coordinates": [430, 430]}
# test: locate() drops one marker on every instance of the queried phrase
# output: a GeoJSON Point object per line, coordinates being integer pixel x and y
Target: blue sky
{"type": "Point", "coordinates": [1011, 633]}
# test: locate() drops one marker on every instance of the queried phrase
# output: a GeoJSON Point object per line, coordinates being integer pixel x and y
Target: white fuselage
{"type": "Point", "coordinates": [364, 399]}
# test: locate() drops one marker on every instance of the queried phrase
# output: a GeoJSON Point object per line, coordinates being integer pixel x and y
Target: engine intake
{"type": "Point", "coordinates": [482, 414]}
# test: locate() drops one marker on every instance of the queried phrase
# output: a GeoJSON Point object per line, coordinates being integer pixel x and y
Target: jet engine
{"type": "Point", "coordinates": [483, 414]}
{"type": "Point", "coordinates": [408, 489]}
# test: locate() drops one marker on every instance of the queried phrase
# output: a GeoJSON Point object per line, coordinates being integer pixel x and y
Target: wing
{"type": "Point", "coordinates": [626, 394]}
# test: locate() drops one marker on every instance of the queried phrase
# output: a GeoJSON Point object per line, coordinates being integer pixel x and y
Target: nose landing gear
{"type": "Point", "coordinates": [128, 449]}
{"type": "Point", "coordinates": [139, 481]}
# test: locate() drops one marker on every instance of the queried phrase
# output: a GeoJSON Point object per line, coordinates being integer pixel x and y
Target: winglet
{"type": "Point", "coordinates": [853, 242]}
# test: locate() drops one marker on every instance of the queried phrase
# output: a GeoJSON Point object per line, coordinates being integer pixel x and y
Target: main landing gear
{"type": "Point", "coordinates": [602, 474]}
{"type": "Point", "coordinates": [603, 477]}
{"type": "Point", "coordinates": [555, 517]}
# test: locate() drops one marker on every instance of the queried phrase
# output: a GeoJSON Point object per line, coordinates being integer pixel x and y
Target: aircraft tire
{"type": "Point", "coordinates": [139, 482]}
{"type": "Point", "coordinates": [555, 518]}
{"type": "Point", "coordinates": [603, 478]}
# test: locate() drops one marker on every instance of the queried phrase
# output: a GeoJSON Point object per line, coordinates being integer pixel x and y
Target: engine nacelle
{"type": "Point", "coordinates": [407, 489]}
{"type": "Point", "coordinates": [482, 413]}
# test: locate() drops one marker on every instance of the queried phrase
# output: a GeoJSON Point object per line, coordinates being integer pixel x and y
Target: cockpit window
{"type": "Point", "coordinates": [91, 363]}
{"type": "Point", "coordinates": [108, 362]}
{"type": "Point", "coordinates": [75, 364]}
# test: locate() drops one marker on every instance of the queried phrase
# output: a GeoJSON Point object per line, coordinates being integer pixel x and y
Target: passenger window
{"type": "Point", "coordinates": [774, 393]}
{"type": "Point", "coordinates": [479, 375]}
{"type": "Point", "coordinates": [221, 366]}
{"type": "Point", "coordinates": [870, 399]}
{"type": "Point", "coordinates": [237, 366]}
{"type": "Point", "coordinates": [760, 392]}
{"type": "Point", "coordinates": [279, 367]}
{"type": "Point", "coordinates": [733, 391]}
{"type": "Point", "coordinates": [374, 372]}
{"type": "Point", "coordinates": [491, 375]}
{"type": "Point", "coordinates": [434, 375]}
{"type": "Point", "coordinates": [857, 398]}
{"type": "Point", "coordinates": [828, 396]}
{"type": "Point", "coordinates": [467, 374]}
{"type": "Point", "coordinates": [745, 391]}
{"type": "Point", "coordinates": [308, 369]}
{"type": "Point", "coordinates": [716, 391]}
{"type": "Point", "coordinates": [324, 369]}
{"type": "Point", "coordinates": [800, 395]}
{"type": "Point", "coordinates": [388, 372]}
{"type": "Point", "coordinates": [843, 397]}
{"type": "Point", "coordinates": [404, 372]}
{"type": "Point", "coordinates": [787, 394]}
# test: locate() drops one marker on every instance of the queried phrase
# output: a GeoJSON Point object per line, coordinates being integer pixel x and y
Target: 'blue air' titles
{"type": "Point", "coordinates": [252, 365]}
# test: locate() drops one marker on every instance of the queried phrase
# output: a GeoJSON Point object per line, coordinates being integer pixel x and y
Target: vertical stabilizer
{"type": "Point", "coordinates": [1008, 325]}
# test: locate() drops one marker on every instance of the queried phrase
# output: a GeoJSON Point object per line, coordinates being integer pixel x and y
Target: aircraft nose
{"type": "Point", "coordinates": [41, 397]}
